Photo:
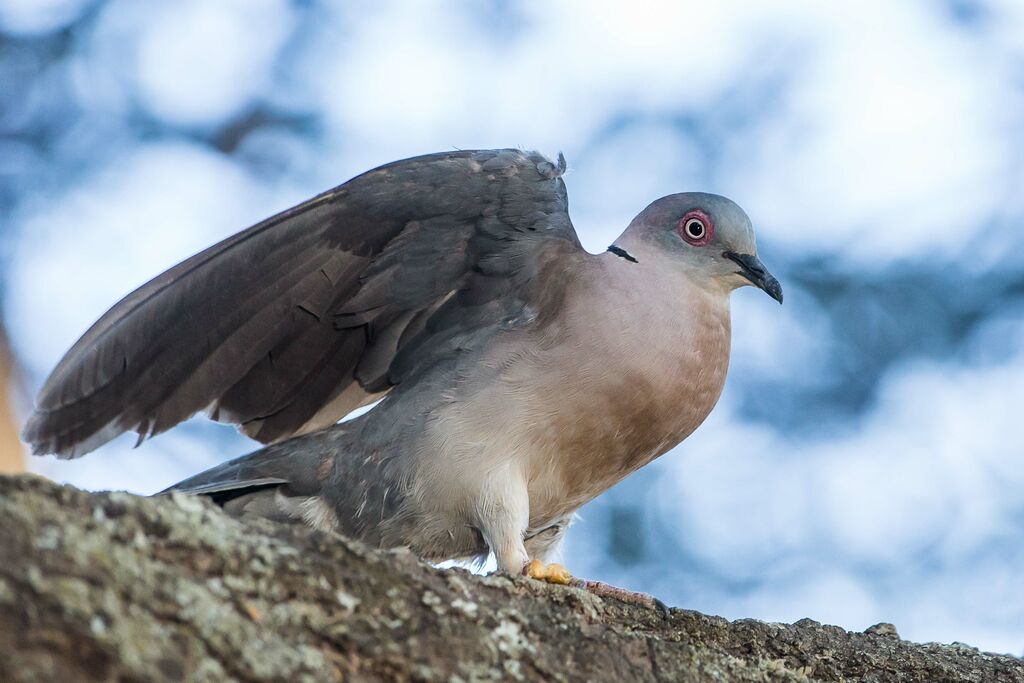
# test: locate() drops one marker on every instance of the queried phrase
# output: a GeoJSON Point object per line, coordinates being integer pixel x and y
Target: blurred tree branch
{"type": "Point", "coordinates": [12, 458]}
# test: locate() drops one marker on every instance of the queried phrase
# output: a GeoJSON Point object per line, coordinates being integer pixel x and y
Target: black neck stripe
{"type": "Point", "coordinates": [622, 253]}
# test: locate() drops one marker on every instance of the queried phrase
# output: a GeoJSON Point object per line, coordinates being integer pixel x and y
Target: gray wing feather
{"type": "Point", "coordinates": [365, 285]}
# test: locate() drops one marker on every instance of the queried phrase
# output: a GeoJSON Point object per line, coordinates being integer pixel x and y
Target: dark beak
{"type": "Point", "coordinates": [752, 269]}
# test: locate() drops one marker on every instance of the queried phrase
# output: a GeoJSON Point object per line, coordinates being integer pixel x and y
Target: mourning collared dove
{"type": "Point", "coordinates": [521, 375]}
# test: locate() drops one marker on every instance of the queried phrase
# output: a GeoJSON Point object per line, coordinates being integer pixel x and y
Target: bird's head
{"type": "Point", "coordinates": [708, 235]}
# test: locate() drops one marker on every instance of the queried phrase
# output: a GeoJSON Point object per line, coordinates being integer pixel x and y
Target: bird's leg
{"type": "Point", "coordinates": [508, 551]}
{"type": "Point", "coordinates": [502, 513]}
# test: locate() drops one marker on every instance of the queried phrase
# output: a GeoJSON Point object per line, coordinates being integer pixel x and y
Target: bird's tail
{"type": "Point", "coordinates": [281, 482]}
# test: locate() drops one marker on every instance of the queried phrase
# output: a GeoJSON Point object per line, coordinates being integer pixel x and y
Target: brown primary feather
{"type": "Point", "coordinates": [367, 284]}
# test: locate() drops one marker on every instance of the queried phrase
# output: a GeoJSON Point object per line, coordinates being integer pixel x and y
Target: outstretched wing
{"type": "Point", "coordinates": [286, 327]}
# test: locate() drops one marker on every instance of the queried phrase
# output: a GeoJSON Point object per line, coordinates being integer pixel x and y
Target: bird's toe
{"type": "Point", "coordinates": [556, 573]}
{"type": "Point", "coordinates": [551, 573]}
{"type": "Point", "coordinates": [535, 569]}
{"type": "Point", "coordinates": [603, 590]}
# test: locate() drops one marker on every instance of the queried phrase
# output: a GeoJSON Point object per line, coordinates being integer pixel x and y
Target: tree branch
{"type": "Point", "coordinates": [111, 586]}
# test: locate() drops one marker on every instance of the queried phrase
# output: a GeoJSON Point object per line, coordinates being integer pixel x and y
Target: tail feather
{"type": "Point", "coordinates": [291, 467]}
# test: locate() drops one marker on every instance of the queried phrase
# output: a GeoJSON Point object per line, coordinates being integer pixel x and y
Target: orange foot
{"type": "Point", "coordinates": [551, 573]}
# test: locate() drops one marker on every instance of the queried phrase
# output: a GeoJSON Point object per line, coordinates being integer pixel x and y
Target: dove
{"type": "Point", "coordinates": [516, 376]}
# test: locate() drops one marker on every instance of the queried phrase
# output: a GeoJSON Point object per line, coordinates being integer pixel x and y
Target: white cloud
{"type": "Point", "coordinates": [620, 177]}
{"type": "Point", "coordinates": [891, 146]}
{"type": "Point", "coordinates": [38, 16]}
{"type": "Point", "coordinates": [833, 597]}
{"type": "Point", "coordinates": [152, 466]}
{"type": "Point", "coordinates": [200, 62]}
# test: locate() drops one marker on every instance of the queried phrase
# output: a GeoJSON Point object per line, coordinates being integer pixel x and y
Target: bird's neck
{"type": "Point", "coordinates": [658, 290]}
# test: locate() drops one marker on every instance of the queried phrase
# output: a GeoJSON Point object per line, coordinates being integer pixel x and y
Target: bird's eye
{"type": "Point", "coordinates": [696, 228]}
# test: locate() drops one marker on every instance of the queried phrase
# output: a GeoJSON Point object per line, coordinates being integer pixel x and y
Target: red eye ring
{"type": "Point", "coordinates": [696, 228]}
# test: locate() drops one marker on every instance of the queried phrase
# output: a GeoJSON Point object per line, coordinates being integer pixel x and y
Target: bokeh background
{"type": "Point", "coordinates": [866, 461]}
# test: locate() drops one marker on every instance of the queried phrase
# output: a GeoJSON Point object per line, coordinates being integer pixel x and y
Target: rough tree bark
{"type": "Point", "coordinates": [112, 586]}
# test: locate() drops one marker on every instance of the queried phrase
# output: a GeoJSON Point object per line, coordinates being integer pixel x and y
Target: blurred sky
{"type": "Point", "coordinates": [866, 462]}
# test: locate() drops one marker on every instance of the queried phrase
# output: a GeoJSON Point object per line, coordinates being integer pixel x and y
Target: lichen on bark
{"type": "Point", "coordinates": [111, 586]}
